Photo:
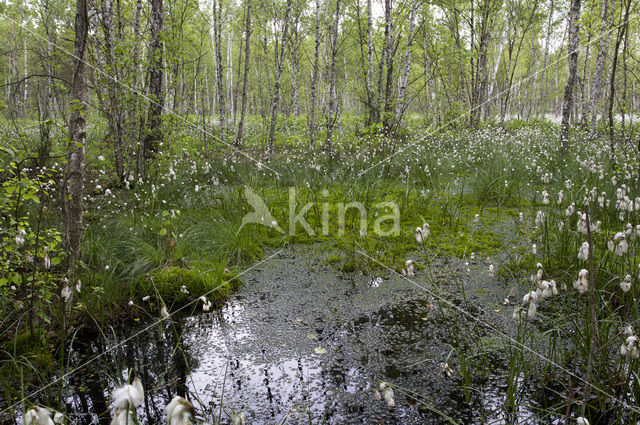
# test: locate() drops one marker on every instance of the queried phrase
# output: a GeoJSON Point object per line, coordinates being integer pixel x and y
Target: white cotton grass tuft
{"type": "Point", "coordinates": [583, 252]}
{"type": "Point", "coordinates": [65, 294]}
{"type": "Point", "coordinates": [546, 289]}
{"type": "Point", "coordinates": [38, 416]}
{"type": "Point", "coordinates": [164, 313]}
{"type": "Point", "coordinates": [122, 417]}
{"type": "Point", "coordinates": [387, 395]}
{"type": "Point", "coordinates": [519, 314]}
{"type": "Point", "coordinates": [540, 219]}
{"type": "Point", "coordinates": [407, 270]}
{"type": "Point", "coordinates": [538, 276]}
{"type": "Point", "coordinates": [545, 197]}
{"type": "Point", "coordinates": [532, 300]}
{"type": "Point", "coordinates": [625, 284]}
{"type": "Point", "coordinates": [582, 223]}
{"type": "Point", "coordinates": [446, 370]}
{"type": "Point", "coordinates": [126, 398]}
{"type": "Point", "coordinates": [206, 304]}
{"type": "Point", "coordinates": [582, 283]}
{"type": "Point", "coordinates": [618, 244]}
{"type": "Point", "coordinates": [180, 412]}
{"type": "Point", "coordinates": [570, 210]}
{"type": "Point", "coordinates": [582, 421]}
{"type": "Point", "coordinates": [238, 418]}
{"type": "Point", "coordinates": [630, 347]}
{"type": "Point", "coordinates": [129, 395]}
{"type": "Point", "coordinates": [491, 270]}
{"type": "Point", "coordinates": [422, 233]}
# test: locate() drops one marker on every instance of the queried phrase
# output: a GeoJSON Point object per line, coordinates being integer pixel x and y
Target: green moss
{"type": "Point", "coordinates": [169, 281]}
{"type": "Point", "coordinates": [350, 266]}
{"type": "Point", "coordinates": [333, 259]}
{"type": "Point", "coordinates": [32, 348]}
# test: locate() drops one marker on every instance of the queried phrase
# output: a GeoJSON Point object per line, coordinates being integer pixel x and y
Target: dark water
{"type": "Point", "coordinates": [302, 343]}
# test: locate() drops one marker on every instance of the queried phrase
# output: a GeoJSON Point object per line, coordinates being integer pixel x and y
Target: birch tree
{"type": "Point", "coordinates": [73, 179]}
{"type": "Point", "coordinates": [153, 137]}
{"type": "Point", "coordinates": [247, 52]}
{"type": "Point", "coordinates": [567, 99]}
{"type": "Point", "coordinates": [596, 83]}
{"type": "Point", "coordinates": [407, 66]}
{"type": "Point", "coordinates": [333, 102]}
{"type": "Point", "coordinates": [275, 101]}
{"type": "Point", "coordinates": [314, 81]}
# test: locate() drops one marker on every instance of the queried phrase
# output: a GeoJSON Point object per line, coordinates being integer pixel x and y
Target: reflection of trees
{"type": "Point", "coordinates": [160, 356]}
{"type": "Point", "coordinates": [95, 395]}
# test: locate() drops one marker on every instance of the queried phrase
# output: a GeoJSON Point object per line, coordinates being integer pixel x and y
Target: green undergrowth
{"type": "Point", "coordinates": [192, 237]}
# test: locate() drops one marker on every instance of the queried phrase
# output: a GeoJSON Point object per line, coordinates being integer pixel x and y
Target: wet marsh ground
{"type": "Point", "coordinates": [301, 340]}
{"type": "Point", "coordinates": [496, 325]}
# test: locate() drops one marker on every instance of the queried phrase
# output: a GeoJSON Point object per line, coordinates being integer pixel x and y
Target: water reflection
{"type": "Point", "coordinates": [288, 346]}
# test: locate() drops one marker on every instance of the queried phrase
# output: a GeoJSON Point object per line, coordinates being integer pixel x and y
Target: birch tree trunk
{"type": "Point", "coordinates": [369, 82]}
{"type": "Point", "coordinates": [314, 83]}
{"type": "Point", "coordinates": [153, 137]}
{"type": "Point", "coordinates": [596, 84]}
{"type": "Point", "coordinates": [115, 117]}
{"type": "Point", "coordinates": [532, 86]}
{"type": "Point", "coordinates": [73, 180]}
{"type": "Point", "coordinates": [567, 100]}
{"type": "Point", "coordinates": [247, 50]}
{"type": "Point", "coordinates": [275, 103]}
{"type": "Point", "coordinates": [229, 74]}
{"type": "Point", "coordinates": [333, 106]}
{"type": "Point", "coordinates": [407, 66]}
{"type": "Point", "coordinates": [383, 56]}
{"type": "Point", "coordinates": [48, 108]}
{"type": "Point", "coordinates": [389, 59]}
{"type": "Point", "coordinates": [295, 92]}
{"type": "Point", "coordinates": [545, 58]}
{"type": "Point", "coordinates": [584, 101]}
{"type": "Point", "coordinates": [26, 79]}
{"type": "Point", "coordinates": [612, 80]}
{"type": "Point", "coordinates": [623, 103]}
{"type": "Point", "coordinates": [133, 116]}
{"type": "Point", "coordinates": [217, 31]}
{"type": "Point", "coordinates": [512, 68]}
